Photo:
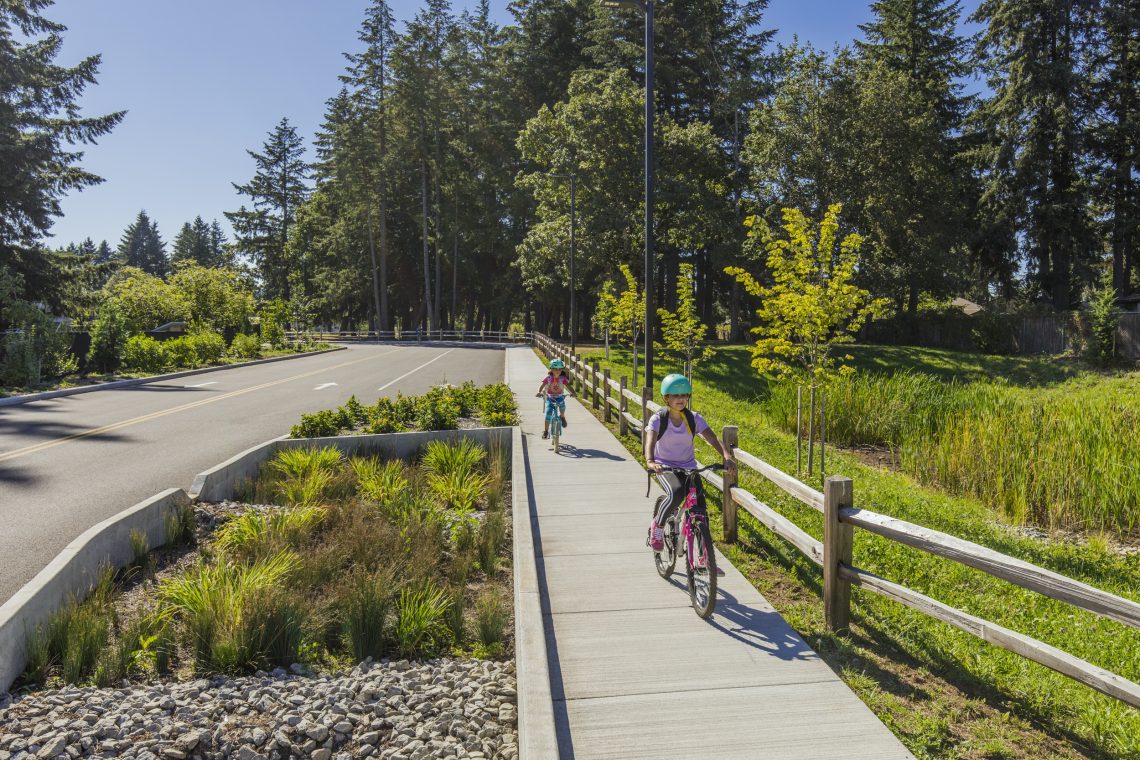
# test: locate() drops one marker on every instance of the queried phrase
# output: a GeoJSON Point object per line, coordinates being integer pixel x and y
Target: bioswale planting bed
{"type": "Point", "coordinates": [340, 603]}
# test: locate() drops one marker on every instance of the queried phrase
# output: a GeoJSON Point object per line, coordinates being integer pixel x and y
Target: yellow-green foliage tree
{"type": "Point", "coordinates": [812, 305]}
{"type": "Point", "coordinates": [145, 301]}
{"type": "Point", "coordinates": [629, 314]}
{"type": "Point", "coordinates": [682, 330]}
{"type": "Point", "coordinates": [218, 297]}
{"type": "Point", "coordinates": [604, 313]}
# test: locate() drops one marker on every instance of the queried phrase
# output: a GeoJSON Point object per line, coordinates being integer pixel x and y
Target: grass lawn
{"type": "Point", "coordinates": [945, 693]}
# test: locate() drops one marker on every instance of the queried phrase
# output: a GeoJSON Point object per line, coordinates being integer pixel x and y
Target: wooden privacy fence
{"type": "Point", "coordinates": [834, 553]}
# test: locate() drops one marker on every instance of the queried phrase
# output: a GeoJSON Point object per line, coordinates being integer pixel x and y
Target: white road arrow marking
{"type": "Point", "coordinates": [417, 369]}
{"type": "Point", "coordinates": [202, 385]}
{"type": "Point", "coordinates": [322, 386]}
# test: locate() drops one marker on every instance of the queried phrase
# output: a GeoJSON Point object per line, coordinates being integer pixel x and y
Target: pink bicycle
{"type": "Point", "coordinates": [692, 538]}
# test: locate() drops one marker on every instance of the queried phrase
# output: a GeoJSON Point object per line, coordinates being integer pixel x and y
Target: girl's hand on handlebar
{"type": "Point", "coordinates": [654, 467]}
{"type": "Point", "coordinates": [729, 463]}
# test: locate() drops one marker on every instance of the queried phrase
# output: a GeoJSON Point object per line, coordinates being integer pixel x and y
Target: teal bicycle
{"type": "Point", "coordinates": [555, 407]}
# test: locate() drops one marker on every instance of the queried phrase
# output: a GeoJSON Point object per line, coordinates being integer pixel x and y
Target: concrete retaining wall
{"type": "Point", "coordinates": [537, 734]}
{"type": "Point", "coordinates": [220, 482]}
{"type": "Point", "coordinates": [75, 570]}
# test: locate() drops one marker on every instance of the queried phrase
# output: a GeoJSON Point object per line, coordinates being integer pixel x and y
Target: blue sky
{"type": "Point", "coordinates": [203, 81]}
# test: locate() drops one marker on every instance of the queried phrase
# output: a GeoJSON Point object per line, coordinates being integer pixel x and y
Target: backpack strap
{"type": "Point", "coordinates": [690, 420]}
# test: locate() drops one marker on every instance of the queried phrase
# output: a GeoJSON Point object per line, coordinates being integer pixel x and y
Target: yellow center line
{"type": "Point", "coordinates": [184, 407]}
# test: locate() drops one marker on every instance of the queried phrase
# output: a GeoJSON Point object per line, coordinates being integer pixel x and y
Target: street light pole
{"type": "Point", "coordinates": [646, 6]}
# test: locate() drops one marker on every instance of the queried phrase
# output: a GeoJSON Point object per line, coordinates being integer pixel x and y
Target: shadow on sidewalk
{"type": "Point", "coordinates": [573, 452]}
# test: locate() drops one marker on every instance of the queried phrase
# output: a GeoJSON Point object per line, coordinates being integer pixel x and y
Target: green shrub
{"type": "Point", "coordinates": [420, 625]}
{"type": "Point", "coordinates": [466, 396]}
{"type": "Point", "coordinates": [497, 406]}
{"type": "Point", "coordinates": [37, 352]}
{"type": "Point", "coordinates": [355, 411]}
{"type": "Point", "coordinates": [145, 354]}
{"type": "Point", "coordinates": [1104, 321]}
{"type": "Point", "coordinates": [437, 410]}
{"type": "Point", "coordinates": [301, 461]}
{"type": "Point", "coordinates": [245, 347]}
{"type": "Point", "coordinates": [182, 352]}
{"type": "Point", "coordinates": [384, 424]}
{"type": "Point", "coordinates": [459, 490]}
{"type": "Point", "coordinates": [209, 346]}
{"type": "Point", "coordinates": [272, 319]}
{"type": "Point", "coordinates": [108, 338]}
{"type": "Point", "coordinates": [321, 424]}
{"type": "Point", "coordinates": [491, 615]}
{"type": "Point", "coordinates": [404, 409]}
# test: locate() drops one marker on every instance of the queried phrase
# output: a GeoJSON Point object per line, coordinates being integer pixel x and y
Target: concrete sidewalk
{"type": "Point", "coordinates": [634, 672]}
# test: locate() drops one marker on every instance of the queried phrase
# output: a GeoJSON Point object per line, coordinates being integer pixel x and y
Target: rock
{"type": "Point", "coordinates": [52, 746]}
{"type": "Point", "coordinates": [321, 754]}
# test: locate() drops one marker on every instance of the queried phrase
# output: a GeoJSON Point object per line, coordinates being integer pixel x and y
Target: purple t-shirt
{"type": "Point", "coordinates": [674, 447]}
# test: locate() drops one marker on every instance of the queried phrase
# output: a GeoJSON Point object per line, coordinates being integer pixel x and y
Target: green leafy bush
{"type": "Point", "coordinates": [145, 354]}
{"type": "Point", "coordinates": [497, 406]}
{"type": "Point", "coordinates": [437, 410]}
{"type": "Point", "coordinates": [1104, 321]}
{"type": "Point", "coordinates": [320, 424]}
{"type": "Point", "coordinates": [209, 346]}
{"type": "Point", "coordinates": [37, 352]}
{"type": "Point", "coordinates": [245, 347]}
{"type": "Point", "coordinates": [272, 319]}
{"type": "Point", "coordinates": [108, 338]}
{"type": "Point", "coordinates": [182, 352]}
{"type": "Point", "coordinates": [355, 411]}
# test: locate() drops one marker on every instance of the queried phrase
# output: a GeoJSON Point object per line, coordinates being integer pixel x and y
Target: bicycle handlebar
{"type": "Point", "coordinates": [716, 467]}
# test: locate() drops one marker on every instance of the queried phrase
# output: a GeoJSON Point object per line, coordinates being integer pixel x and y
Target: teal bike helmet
{"type": "Point", "coordinates": [557, 364]}
{"type": "Point", "coordinates": [676, 385]}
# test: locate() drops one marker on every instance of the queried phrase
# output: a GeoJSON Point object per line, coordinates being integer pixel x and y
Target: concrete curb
{"type": "Point", "coordinates": [538, 737]}
{"type": "Point", "coordinates": [29, 397]}
{"type": "Point", "coordinates": [220, 482]}
{"type": "Point", "coordinates": [75, 570]}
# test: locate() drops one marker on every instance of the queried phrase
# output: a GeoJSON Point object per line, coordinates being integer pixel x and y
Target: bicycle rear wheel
{"type": "Point", "coordinates": [701, 569]}
{"type": "Point", "coordinates": [666, 559]}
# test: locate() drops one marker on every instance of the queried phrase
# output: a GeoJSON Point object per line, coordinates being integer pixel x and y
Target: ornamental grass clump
{"type": "Point", "coordinates": [444, 458]}
{"type": "Point", "coordinates": [363, 607]}
{"type": "Point", "coordinates": [492, 613]}
{"type": "Point", "coordinates": [381, 482]}
{"type": "Point", "coordinates": [492, 535]}
{"type": "Point", "coordinates": [218, 603]}
{"type": "Point", "coordinates": [421, 619]}
{"type": "Point", "coordinates": [260, 533]}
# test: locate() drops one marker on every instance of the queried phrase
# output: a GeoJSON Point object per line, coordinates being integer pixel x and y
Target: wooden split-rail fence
{"type": "Point", "coordinates": [418, 334]}
{"type": "Point", "coordinates": [834, 553]}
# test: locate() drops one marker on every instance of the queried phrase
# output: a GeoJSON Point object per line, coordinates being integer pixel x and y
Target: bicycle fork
{"type": "Point", "coordinates": [687, 531]}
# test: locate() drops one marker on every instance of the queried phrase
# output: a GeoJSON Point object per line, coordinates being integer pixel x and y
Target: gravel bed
{"type": "Point", "coordinates": [392, 709]}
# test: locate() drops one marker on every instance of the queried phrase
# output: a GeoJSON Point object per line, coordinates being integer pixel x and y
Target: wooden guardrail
{"type": "Point", "coordinates": [834, 553]}
{"type": "Point", "coordinates": [468, 336]}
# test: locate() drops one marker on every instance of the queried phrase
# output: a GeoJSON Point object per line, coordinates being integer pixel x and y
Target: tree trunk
{"type": "Point", "coordinates": [427, 252]}
{"type": "Point", "coordinates": [375, 274]}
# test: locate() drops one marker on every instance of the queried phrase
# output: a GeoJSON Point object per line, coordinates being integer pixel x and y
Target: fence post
{"type": "Point", "coordinates": [646, 394]}
{"type": "Point", "coordinates": [606, 395]}
{"type": "Point", "coordinates": [837, 540]}
{"type": "Point", "coordinates": [729, 438]}
{"type": "Point", "coordinates": [594, 382]}
{"type": "Point", "coordinates": [623, 407]}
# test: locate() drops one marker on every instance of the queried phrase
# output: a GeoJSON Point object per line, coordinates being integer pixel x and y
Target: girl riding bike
{"type": "Point", "coordinates": [669, 443]}
{"type": "Point", "coordinates": [556, 386]}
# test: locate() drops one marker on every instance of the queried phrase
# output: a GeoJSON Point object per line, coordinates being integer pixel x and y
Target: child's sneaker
{"type": "Point", "coordinates": [545, 434]}
{"type": "Point", "coordinates": [656, 537]}
{"type": "Point", "coordinates": [565, 423]}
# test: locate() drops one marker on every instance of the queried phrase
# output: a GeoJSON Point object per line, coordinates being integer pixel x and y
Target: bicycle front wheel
{"type": "Point", "coordinates": [555, 431]}
{"type": "Point", "coordinates": [701, 570]}
{"type": "Point", "coordinates": [666, 559]}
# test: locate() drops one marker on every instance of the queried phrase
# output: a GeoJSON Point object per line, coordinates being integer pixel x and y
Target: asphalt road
{"type": "Point", "coordinates": [70, 462]}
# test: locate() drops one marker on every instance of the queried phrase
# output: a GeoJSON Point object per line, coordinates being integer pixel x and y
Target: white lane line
{"type": "Point", "coordinates": [322, 386]}
{"type": "Point", "coordinates": [417, 369]}
{"type": "Point", "coordinates": [202, 385]}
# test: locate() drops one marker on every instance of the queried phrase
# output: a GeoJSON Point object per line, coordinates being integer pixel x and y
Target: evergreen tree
{"type": "Point", "coordinates": [39, 120]}
{"type": "Point", "coordinates": [142, 247]}
{"type": "Point", "coordinates": [1034, 129]}
{"type": "Point", "coordinates": [104, 253]}
{"type": "Point", "coordinates": [1115, 133]}
{"type": "Point", "coordinates": [277, 189]}
{"type": "Point", "coordinates": [915, 184]}
{"type": "Point", "coordinates": [194, 243]}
